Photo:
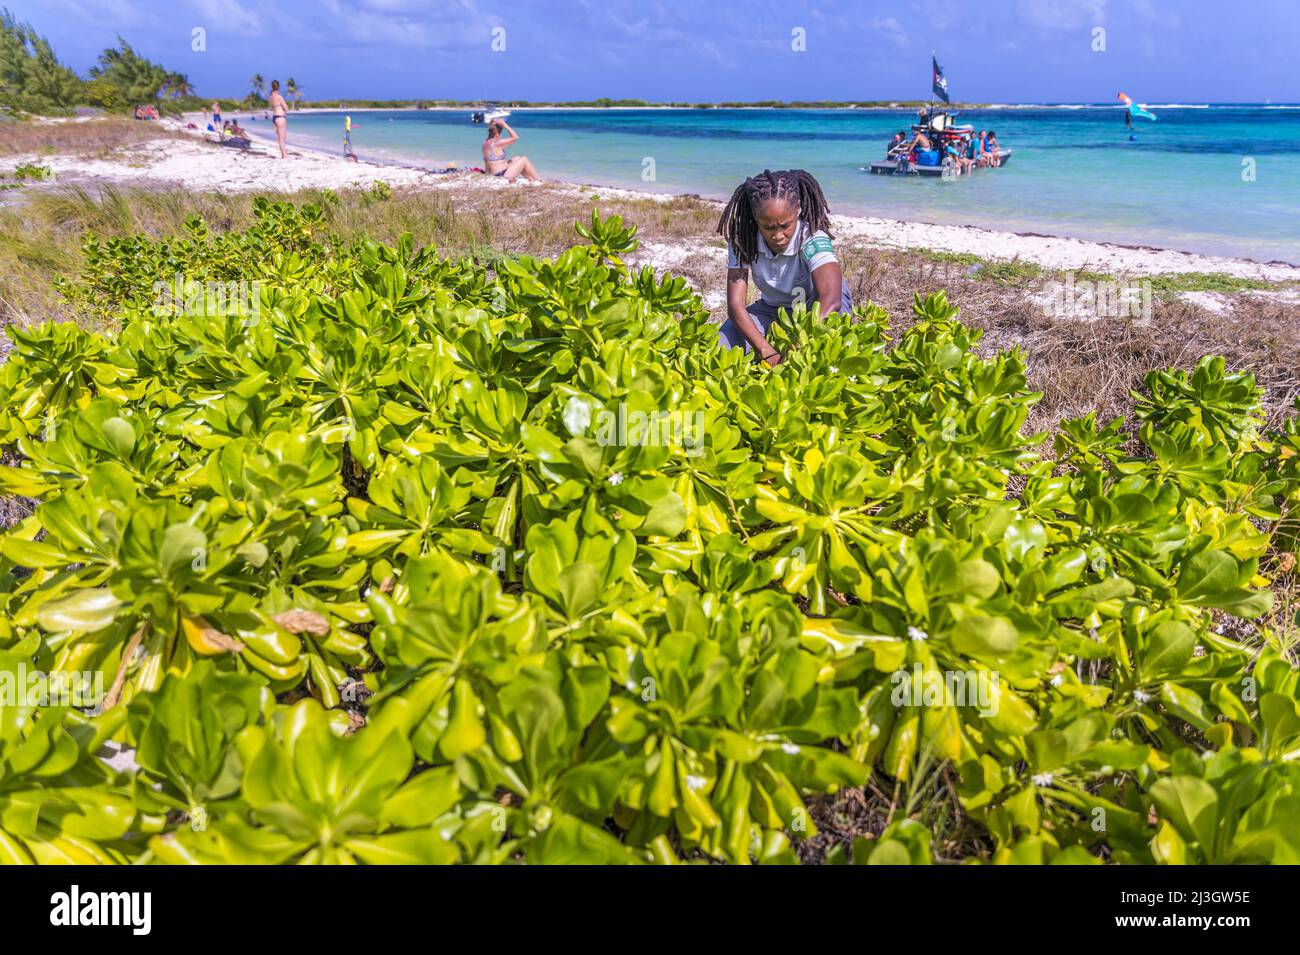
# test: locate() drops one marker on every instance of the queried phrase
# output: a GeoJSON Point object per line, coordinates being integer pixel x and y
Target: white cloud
{"type": "Point", "coordinates": [404, 23]}
{"type": "Point", "coordinates": [228, 15]}
{"type": "Point", "coordinates": [1062, 14]}
{"type": "Point", "coordinates": [1147, 10]}
{"type": "Point", "coordinates": [890, 29]}
{"type": "Point", "coordinates": [943, 14]}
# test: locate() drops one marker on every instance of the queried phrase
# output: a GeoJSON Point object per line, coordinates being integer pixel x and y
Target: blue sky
{"type": "Point", "coordinates": [993, 50]}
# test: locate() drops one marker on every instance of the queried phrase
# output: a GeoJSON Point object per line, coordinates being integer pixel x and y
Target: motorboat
{"type": "Point", "coordinates": [488, 114]}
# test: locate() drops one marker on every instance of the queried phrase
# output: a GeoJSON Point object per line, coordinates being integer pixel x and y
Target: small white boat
{"type": "Point", "coordinates": [484, 116]}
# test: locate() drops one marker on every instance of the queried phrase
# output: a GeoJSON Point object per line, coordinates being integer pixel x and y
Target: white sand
{"type": "Point", "coordinates": [203, 165]}
{"type": "Point", "coordinates": [1051, 252]}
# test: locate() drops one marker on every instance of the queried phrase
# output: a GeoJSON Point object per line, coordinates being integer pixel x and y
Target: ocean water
{"type": "Point", "coordinates": [1221, 180]}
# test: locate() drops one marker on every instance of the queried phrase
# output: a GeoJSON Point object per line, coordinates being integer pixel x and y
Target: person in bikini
{"type": "Point", "coordinates": [279, 116]}
{"type": "Point", "coordinates": [495, 159]}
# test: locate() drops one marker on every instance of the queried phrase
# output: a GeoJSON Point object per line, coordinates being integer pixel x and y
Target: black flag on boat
{"type": "Point", "coordinates": [940, 83]}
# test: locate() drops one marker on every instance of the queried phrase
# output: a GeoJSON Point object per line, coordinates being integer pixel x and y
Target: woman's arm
{"type": "Point", "coordinates": [738, 312]}
{"type": "Point", "coordinates": [514, 137]}
{"type": "Point", "coordinates": [829, 283]}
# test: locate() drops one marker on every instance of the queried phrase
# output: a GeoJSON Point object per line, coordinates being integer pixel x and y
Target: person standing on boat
{"type": "Point", "coordinates": [777, 226]}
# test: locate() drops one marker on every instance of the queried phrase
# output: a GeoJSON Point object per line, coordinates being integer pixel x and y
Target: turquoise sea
{"type": "Point", "coordinates": [1221, 180]}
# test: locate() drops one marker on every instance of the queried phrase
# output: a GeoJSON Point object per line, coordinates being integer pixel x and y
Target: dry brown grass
{"type": "Point", "coordinates": [91, 137]}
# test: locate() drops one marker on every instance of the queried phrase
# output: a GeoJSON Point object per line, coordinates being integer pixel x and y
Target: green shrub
{"type": "Point", "coordinates": [570, 582]}
{"type": "Point", "coordinates": [30, 172]}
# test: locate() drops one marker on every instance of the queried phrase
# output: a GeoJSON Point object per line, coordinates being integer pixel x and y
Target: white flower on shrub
{"type": "Point", "coordinates": [790, 749]}
{"type": "Point", "coordinates": [696, 782]}
{"type": "Point", "coordinates": [1042, 779]}
{"type": "Point", "coordinates": [916, 633]}
{"type": "Point", "coordinates": [1142, 696]}
{"type": "Point", "coordinates": [615, 478]}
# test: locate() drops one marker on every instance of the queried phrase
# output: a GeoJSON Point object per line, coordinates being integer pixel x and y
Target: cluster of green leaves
{"type": "Point", "coordinates": [33, 172]}
{"type": "Point", "coordinates": [31, 76]}
{"type": "Point", "coordinates": [372, 577]}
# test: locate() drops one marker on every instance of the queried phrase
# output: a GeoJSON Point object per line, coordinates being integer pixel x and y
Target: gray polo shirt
{"type": "Point", "coordinates": [778, 274]}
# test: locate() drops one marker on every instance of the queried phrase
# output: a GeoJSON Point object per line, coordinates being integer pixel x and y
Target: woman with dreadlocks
{"type": "Point", "coordinates": [777, 225]}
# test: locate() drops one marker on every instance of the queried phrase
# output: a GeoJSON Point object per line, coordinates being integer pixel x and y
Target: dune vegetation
{"type": "Point", "coordinates": [363, 552]}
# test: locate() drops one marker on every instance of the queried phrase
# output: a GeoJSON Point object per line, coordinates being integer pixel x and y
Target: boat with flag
{"type": "Point", "coordinates": [938, 146]}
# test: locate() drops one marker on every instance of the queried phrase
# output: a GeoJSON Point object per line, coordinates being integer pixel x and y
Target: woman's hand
{"type": "Point", "coordinates": [773, 357]}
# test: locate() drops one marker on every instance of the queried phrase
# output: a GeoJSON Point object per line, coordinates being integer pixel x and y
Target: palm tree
{"type": "Point", "coordinates": [30, 74]}
{"type": "Point", "coordinates": [294, 90]}
{"type": "Point", "coordinates": [140, 79]}
{"type": "Point", "coordinates": [177, 85]}
{"type": "Point", "coordinates": [257, 82]}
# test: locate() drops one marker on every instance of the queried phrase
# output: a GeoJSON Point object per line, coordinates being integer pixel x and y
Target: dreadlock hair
{"type": "Point", "coordinates": [739, 225]}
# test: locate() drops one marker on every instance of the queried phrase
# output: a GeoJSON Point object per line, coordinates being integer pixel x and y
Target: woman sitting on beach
{"type": "Point", "coordinates": [777, 226]}
{"type": "Point", "coordinates": [494, 154]}
{"type": "Point", "coordinates": [279, 116]}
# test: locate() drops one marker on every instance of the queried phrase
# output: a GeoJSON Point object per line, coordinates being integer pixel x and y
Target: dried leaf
{"type": "Point", "coordinates": [303, 621]}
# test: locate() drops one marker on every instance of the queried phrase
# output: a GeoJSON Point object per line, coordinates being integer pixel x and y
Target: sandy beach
{"type": "Point", "coordinates": [195, 162]}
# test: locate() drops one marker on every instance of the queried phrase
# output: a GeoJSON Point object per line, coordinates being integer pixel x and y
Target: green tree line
{"type": "Point", "coordinates": [33, 79]}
